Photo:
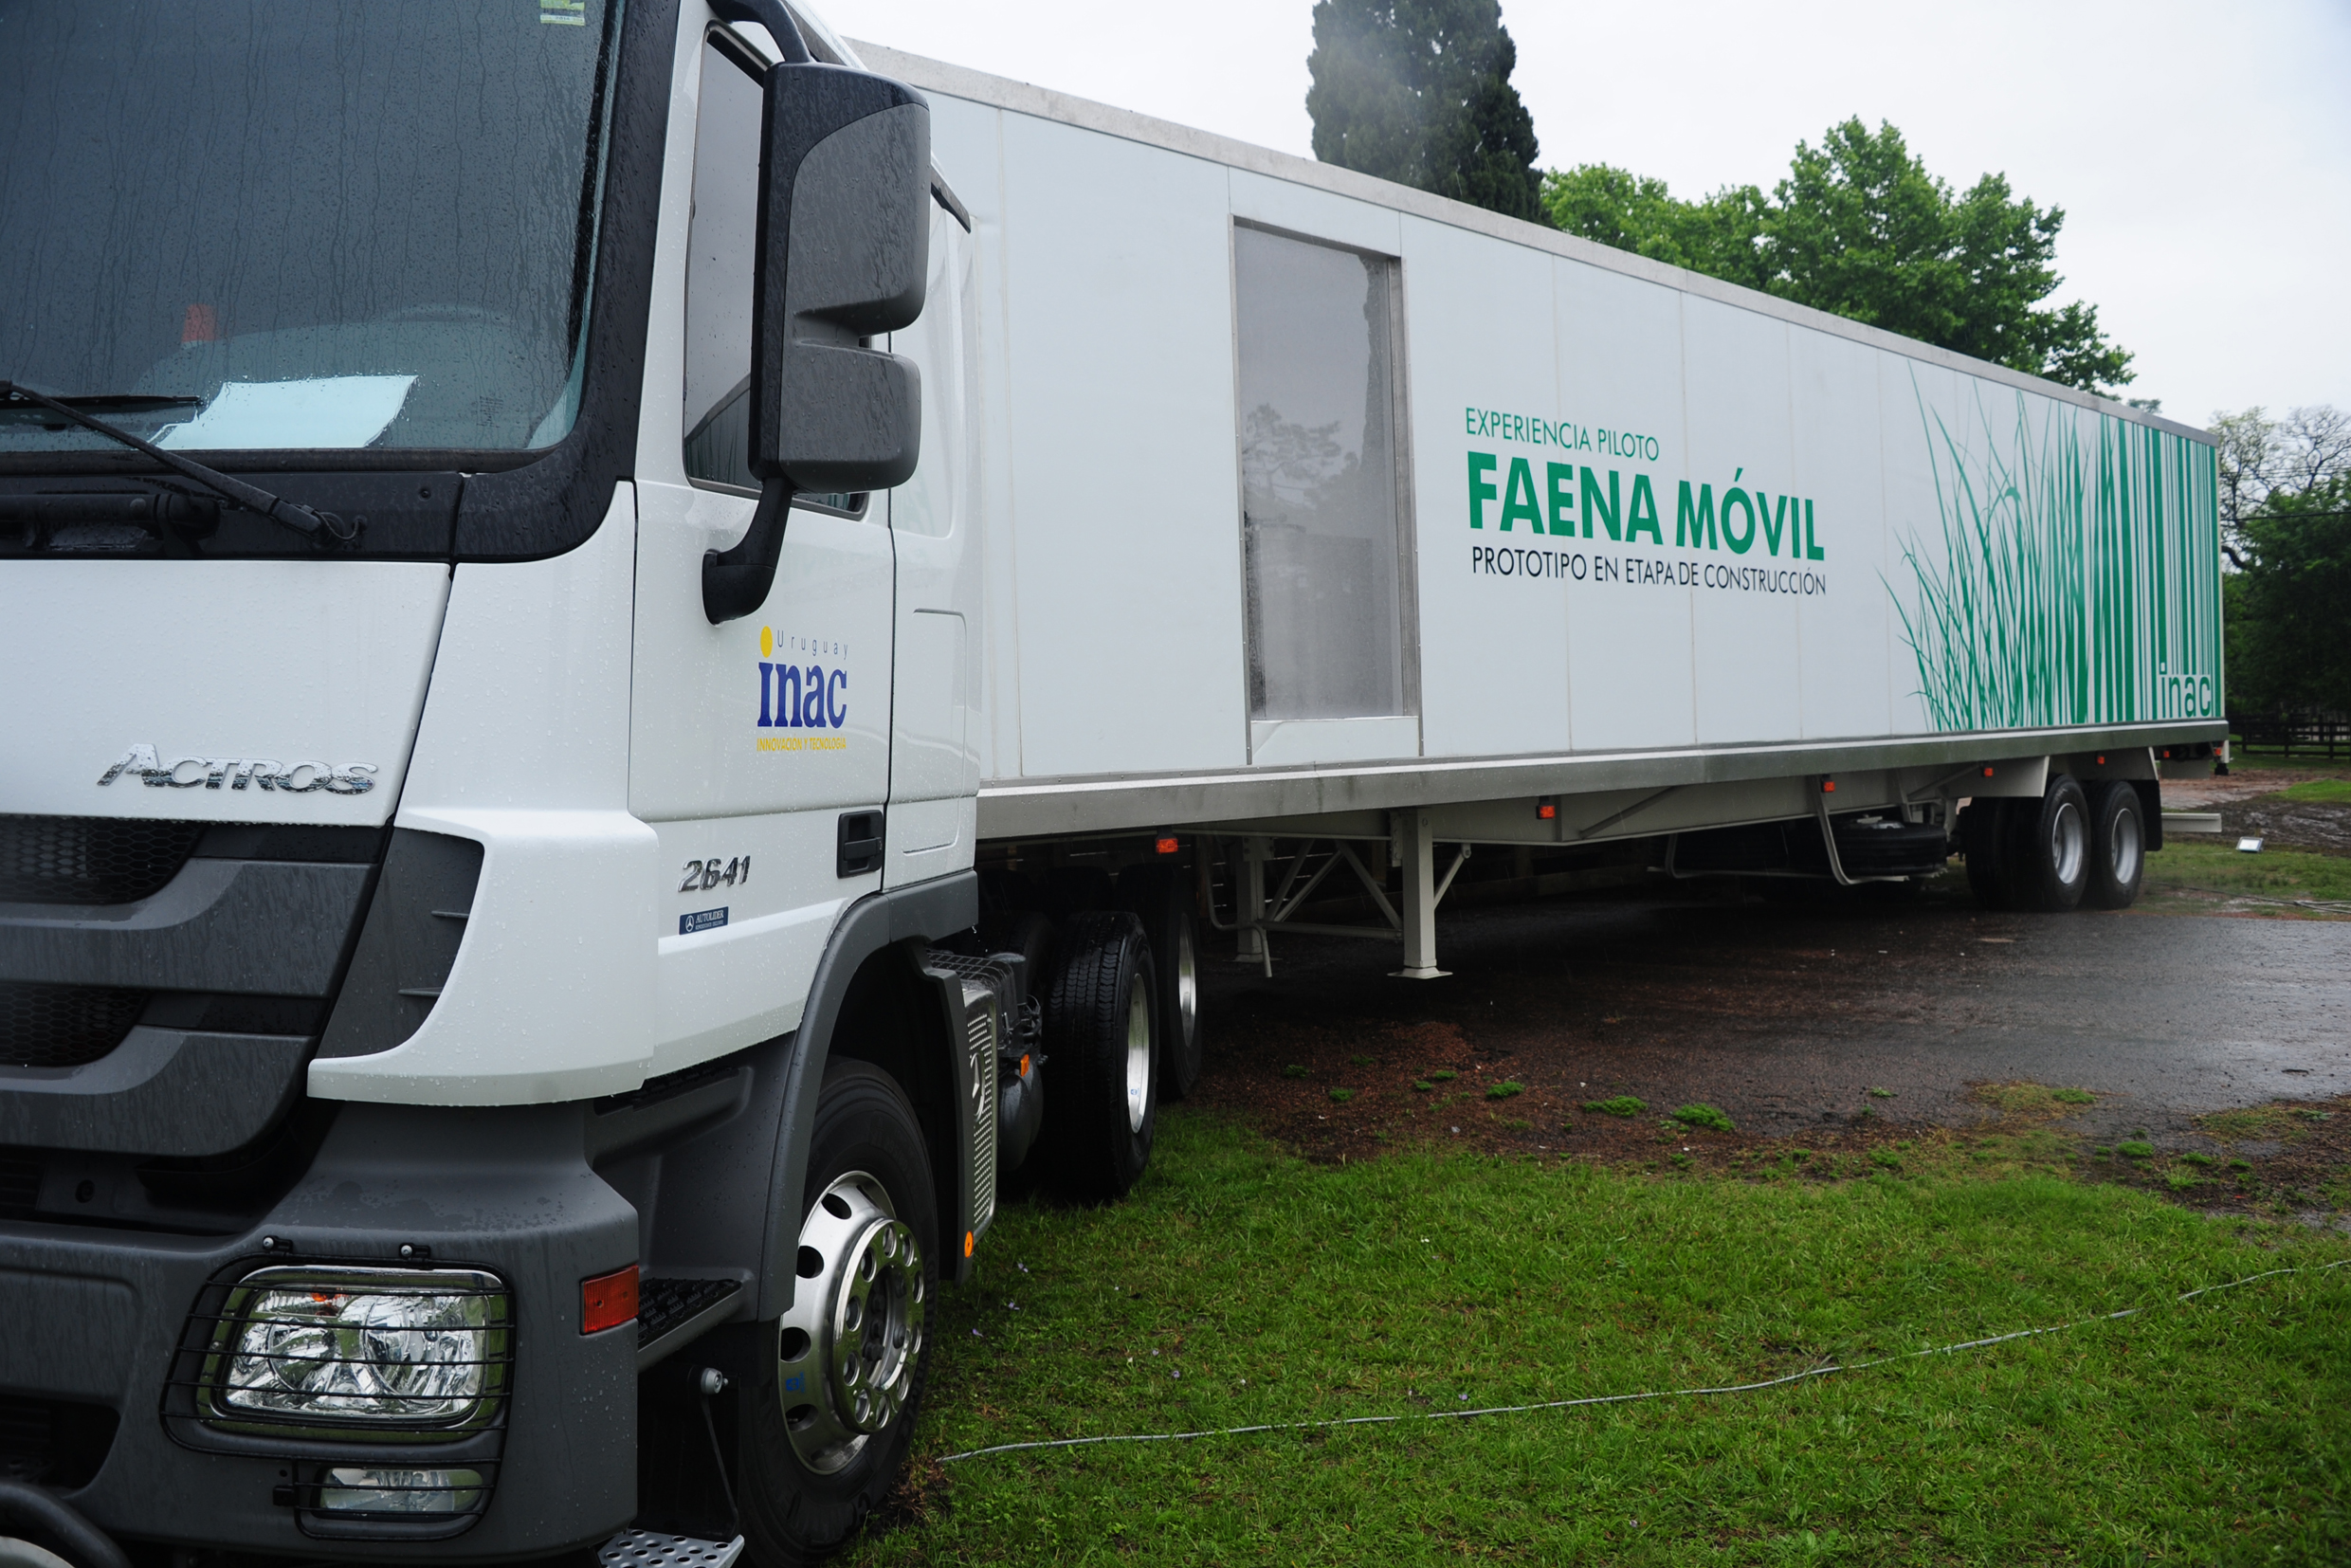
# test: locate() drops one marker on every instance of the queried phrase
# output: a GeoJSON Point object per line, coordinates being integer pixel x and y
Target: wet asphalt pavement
{"type": "Point", "coordinates": [1787, 1016]}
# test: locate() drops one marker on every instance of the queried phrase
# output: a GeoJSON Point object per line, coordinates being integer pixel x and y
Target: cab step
{"type": "Point", "coordinates": [654, 1549]}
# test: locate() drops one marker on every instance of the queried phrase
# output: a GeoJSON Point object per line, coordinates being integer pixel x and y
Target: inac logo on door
{"type": "Point", "coordinates": [804, 684]}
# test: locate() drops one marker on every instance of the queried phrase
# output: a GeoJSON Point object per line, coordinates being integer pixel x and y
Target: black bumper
{"type": "Point", "coordinates": [96, 1317]}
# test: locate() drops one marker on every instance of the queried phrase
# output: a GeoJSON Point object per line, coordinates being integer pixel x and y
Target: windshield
{"type": "Point", "coordinates": [365, 223]}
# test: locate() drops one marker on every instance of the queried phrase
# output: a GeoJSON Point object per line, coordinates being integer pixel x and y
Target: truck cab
{"type": "Point", "coordinates": [444, 901]}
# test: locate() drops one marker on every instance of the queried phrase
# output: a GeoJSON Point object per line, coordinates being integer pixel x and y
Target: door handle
{"type": "Point", "coordinates": [860, 844]}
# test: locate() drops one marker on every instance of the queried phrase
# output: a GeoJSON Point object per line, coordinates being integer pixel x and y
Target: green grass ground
{"type": "Point", "coordinates": [1240, 1286]}
{"type": "Point", "coordinates": [2203, 875]}
{"type": "Point", "coordinates": [2196, 874]}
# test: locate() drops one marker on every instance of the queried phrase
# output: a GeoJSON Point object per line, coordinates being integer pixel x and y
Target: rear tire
{"type": "Point", "coordinates": [2118, 853]}
{"type": "Point", "coordinates": [818, 1448]}
{"type": "Point", "coordinates": [2049, 849]}
{"type": "Point", "coordinates": [1102, 1039]}
{"type": "Point", "coordinates": [1156, 892]}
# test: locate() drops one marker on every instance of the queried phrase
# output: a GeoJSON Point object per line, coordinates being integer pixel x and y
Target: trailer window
{"type": "Point", "coordinates": [718, 275]}
{"type": "Point", "coordinates": [1319, 479]}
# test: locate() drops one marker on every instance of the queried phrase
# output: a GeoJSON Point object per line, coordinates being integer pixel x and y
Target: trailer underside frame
{"type": "Point", "coordinates": [1409, 809]}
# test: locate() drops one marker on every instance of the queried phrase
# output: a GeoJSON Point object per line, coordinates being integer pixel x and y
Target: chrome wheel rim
{"type": "Point", "coordinates": [1137, 1055]}
{"type": "Point", "coordinates": [846, 1351]}
{"type": "Point", "coordinates": [2067, 851]}
{"type": "Point", "coordinates": [1187, 980]}
{"type": "Point", "coordinates": [2126, 849]}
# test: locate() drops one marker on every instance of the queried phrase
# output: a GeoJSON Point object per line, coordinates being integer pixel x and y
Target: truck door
{"type": "Point", "coordinates": [758, 749]}
{"type": "Point", "coordinates": [934, 519]}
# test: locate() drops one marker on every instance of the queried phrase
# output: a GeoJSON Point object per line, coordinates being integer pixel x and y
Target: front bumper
{"type": "Point", "coordinates": [97, 1316]}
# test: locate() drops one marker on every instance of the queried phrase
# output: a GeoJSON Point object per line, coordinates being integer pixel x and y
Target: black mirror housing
{"type": "Point", "coordinates": [843, 247]}
{"type": "Point", "coordinates": [843, 250]}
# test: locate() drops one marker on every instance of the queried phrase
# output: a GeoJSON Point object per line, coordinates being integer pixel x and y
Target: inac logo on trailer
{"type": "Point", "coordinates": [804, 684]}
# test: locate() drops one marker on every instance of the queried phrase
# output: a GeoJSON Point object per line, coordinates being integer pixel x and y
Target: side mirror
{"type": "Point", "coordinates": [843, 247]}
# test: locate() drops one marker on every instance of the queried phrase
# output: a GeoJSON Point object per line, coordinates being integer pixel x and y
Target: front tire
{"type": "Point", "coordinates": [837, 1384]}
{"type": "Point", "coordinates": [1102, 1039]}
{"type": "Point", "coordinates": [2118, 858]}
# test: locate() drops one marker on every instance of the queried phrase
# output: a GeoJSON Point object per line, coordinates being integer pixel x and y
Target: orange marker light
{"type": "Point", "coordinates": [968, 1239]}
{"type": "Point", "coordinates": [1987, 773]}
{"type": "Point", "coordinates": [608, 1300]}
{"type": "Point", "coordinates": [1168, 845]}
{"type": "Point", "coordinates": [1547, 810]}
{"type": "Point", "coordinates": [1827, 785]}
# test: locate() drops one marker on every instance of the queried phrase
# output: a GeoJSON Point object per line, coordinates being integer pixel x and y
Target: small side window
{"type": "Point", "coordinates": [1319, 530]}
{"type": "Point", "coordinates": [718, 272]}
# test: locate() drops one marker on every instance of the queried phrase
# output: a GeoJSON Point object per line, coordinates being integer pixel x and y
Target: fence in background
{"type": "Point", "coordinates": [2313, 733]}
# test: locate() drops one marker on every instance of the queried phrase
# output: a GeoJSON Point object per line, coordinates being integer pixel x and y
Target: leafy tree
{"type": "Point", "coordinates": [1862, 230]}
{"type": "Point", "coordinates": [1721, 236]}
{"type": "Point", "coordinates": [1859, 228]}
{"type": "Point", "coordinates": [2259, 456]}
{"type": "Point", "coordinates": [2290, 631]}
{"type": "Point", "coordinates": [2285, 524]}
{"type": "Point", "coordinates": [1419, 92]}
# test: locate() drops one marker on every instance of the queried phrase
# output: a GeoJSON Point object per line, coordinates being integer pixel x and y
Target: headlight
{"type": "Point", "coordinates": [420, 1352]}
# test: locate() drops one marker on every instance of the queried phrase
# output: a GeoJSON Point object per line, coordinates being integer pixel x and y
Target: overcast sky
{"type": "Point", "coordinates": [2203, 154]}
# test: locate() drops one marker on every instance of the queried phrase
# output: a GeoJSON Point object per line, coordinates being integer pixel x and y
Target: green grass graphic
{"type": "Point", "coordinates": [2078, 579]}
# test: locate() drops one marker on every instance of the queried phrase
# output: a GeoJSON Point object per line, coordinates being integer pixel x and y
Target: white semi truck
{"type": "Point", "coordinates": [640, 652]}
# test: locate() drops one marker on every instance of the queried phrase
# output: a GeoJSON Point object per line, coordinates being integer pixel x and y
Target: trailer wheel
{"type": "Point", "coordinates": [838, 1380]}
{"type": "Point", "coordinates": [1983, 840]}
{"type": "Point", "coordinates": [2049, 849]}
{"type": "Point", "coordinates": [2118, 853]}
{"type": "Point", "coordinates": [1157, 893]}
{"type": "Point", "coordinates": [1102, 1037]}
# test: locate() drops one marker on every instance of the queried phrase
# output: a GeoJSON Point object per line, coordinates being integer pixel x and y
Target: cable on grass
{"type": "Point", "coordinates": [1628, 1398]}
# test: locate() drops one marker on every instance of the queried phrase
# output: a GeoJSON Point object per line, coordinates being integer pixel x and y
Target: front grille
{"type": "Point", "coordinates": [62, 1026]}
{"type": "Point", "coordinates": [89, 859]}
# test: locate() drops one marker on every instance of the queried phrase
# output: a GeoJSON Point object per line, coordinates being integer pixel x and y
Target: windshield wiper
{"type": "Point", "coordinates": [323, 529]}
{"type": "Point", "coordinates": [118, 403]}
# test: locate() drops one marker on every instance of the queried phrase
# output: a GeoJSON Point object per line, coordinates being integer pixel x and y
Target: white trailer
{"type": "Point", "coordinates": [1358, 514]}
{"type": "Point", "coordinates": [641, 647]}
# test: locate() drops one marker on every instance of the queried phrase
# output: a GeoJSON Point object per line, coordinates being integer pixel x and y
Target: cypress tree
{"type": "Point", "coordinates": [1419, 92]}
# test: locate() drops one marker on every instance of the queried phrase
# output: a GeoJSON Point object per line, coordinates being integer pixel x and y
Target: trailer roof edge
{"type": "Point", "coordinates": [937, 76]}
